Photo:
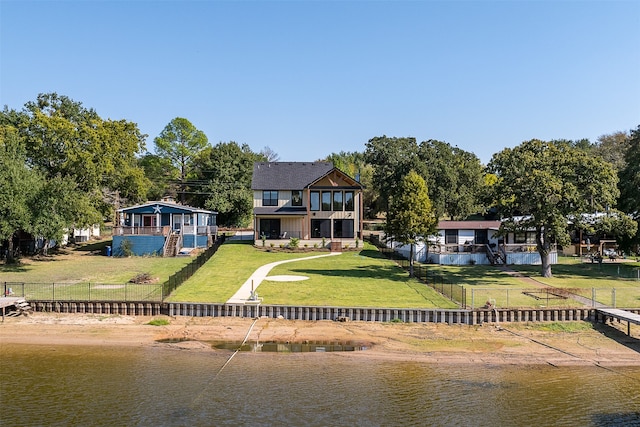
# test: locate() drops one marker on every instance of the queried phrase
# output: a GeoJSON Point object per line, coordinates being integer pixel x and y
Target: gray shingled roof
{"type": "Point", "coordinates": [287, 175]}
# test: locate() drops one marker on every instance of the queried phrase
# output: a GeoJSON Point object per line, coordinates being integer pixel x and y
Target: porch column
{"type": "Point", "coordinates": [158, 222]}
{"type": "Point", "coordinates": [182, 225]}
{"type": "Point", "coordinates": [194, 218]}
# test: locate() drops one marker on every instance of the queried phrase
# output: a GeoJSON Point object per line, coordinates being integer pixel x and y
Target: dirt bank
{"type": "Point", "coordinates": [507, 343]}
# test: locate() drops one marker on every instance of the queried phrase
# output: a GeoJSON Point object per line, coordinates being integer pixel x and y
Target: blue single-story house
{"type": "Point", "coordinates": [163, 228]}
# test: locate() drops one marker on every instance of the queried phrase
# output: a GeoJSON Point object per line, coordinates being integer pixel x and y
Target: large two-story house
{"type": "Point", "coordinates": [305, 200]}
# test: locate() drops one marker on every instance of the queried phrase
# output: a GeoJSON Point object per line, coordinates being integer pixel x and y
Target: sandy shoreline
{"type": "Point", "coordinates": [507, 343]}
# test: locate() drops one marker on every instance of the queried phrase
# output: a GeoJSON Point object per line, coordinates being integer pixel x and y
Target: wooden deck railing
{"type": "Point", "coordinates": [141, 231]}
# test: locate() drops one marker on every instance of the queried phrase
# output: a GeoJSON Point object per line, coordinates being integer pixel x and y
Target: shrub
{"type": "Point", "coordinates": [158, 322]}
{"type": "Point", "coordinates": [324, 242]}
{"type": "Point", "coordinates": [264, 239]}
{"type": "Point", "coordinates": [294, 242]}
{"type": "Point", "coordinates": [126, 248]}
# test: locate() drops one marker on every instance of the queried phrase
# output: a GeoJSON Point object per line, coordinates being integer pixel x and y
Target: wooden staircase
{"type": "Point", "coordinates": [171, 245]}
{"type": "Point", "coordinates": [496, 258]}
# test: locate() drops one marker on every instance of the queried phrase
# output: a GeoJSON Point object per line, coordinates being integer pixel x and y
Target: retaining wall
{"type": "Point", "coordinates": [459, 316]}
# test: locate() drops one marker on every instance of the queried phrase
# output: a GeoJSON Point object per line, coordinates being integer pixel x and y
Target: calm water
{"type": "Point", "coordinates": [164, 386]}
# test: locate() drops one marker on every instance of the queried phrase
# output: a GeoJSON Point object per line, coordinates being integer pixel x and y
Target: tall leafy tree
{"type": "Point", "coordinates": [391, 158]}
{"type": "Point", "coordinates": [612, 148]}
{"type": "Point", "coordinates": [181, 142]}
{"type": "Point", "coordinates": [162, 176]}
{"type": "Point", "coordinates": [550, 184]}
{"type": "Point", "coordinates": [454, 177]}
{"type": "Point", "coordinates": [222, 182]}
{"type": "Point", "coordinates": [18, 185]}
{"type": "Point", "coordinates": [630, 185]}
{"type": "Point", "coordinates": [63, 138]}
{"type": "Point", "coordinates": [57, 207]}
{"type": "Point", "coordinates": [411, 216]}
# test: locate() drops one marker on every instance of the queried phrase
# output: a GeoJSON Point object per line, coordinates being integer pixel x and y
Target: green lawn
{"type": "Point", "coordinates": [361, 279]}
{"type": "Point", "coordinates": [79, 266]}
{"type": "Point", "coordinates": [357, 278]}
{"type": "Point", "coordinates": [486, 283]}
{"type": "Point", "coordinates": [226, 271]}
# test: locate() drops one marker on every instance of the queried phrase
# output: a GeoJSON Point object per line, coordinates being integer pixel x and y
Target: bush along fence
{"type": "Point", "coordinates": [188, 270]}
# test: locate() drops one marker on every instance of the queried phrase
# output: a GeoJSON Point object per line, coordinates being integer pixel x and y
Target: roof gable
{"type": "Point", "coordinates": [163, 207]}
{"type": "Point", "coordinates": [336, 178]}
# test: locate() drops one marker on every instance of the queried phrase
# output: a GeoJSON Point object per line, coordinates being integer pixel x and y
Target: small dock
{"type": "Point", "coordinates": [19, 303]}
{"type": "Point", "coordinates": [620, 315]}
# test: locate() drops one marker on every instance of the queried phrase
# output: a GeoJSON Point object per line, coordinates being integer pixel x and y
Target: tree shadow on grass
{"type": "Point", "coordinates": [15, 268]}
{"type": "Point", "coordinates": [95, 246]}
{"type": "Point", "coordinates": [364, 272]}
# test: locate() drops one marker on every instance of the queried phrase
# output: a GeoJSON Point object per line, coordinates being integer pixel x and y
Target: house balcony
{"type": "Point", "coordinates": [164, 230]}
{"type": "Point", "coordinates": [141, 231]}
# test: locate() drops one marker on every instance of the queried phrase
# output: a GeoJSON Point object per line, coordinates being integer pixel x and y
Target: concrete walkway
{"type": "Point", "coordinates": [243, 294]}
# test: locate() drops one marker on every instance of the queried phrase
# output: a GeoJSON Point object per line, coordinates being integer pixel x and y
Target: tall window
{"type": "Point", "coordinates": [269, 198]}
{"type": "Point", "coordinates": [450, 237]}
{"type": "Point", "coordinates": [337, 200]}
{"type": "Point", "coordinates": [315, 200]}
{"type": "Point", "coordinates": [320, 228]}
{"type": "Point", "coordinates": [343, 228]}
{"type": "Point", "coordinates": [326, 200]}
{"type": "Point", "coordinates": [296, 198]}
{"type": "Point", "coordinates": [348, 201]}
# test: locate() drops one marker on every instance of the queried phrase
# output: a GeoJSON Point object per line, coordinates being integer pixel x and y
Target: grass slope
{"type": "Point", "coordinates": [362, 279]}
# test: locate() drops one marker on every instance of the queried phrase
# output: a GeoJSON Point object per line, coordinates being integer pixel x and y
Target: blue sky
{"type": "Point", "coordinates": [308, 78]}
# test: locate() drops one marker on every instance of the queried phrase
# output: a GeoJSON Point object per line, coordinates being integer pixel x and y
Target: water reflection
{"type": "Point", "coordinates": [167, 386]}
{"type": "Point", "coordinates": [287, 347]}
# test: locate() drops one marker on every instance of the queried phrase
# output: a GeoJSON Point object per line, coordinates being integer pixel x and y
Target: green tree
{"type": "Point", "coordinates": [57, 208]}
{"type": "Point", "coordinates": [612, 148]}
{"type": "Point", "coordinates": [454, 178]}
{"type": "Point", "coordinates": [391, 158]}
{"type": "Point", "coordinates": [630, 185]}
{"type": "Point", "coordinates": [181, 142]}
{"type": "Point", "coordinates": [411, 217]}
{"type": "Point", "coordinates": [550, 184]}
{"type": "Point", "coordinates": [17, 188]}
{"type": "Point", "coordinates": [222, 182]}
{"type": "Point", "coordinates": [161, 174]}
{"type": "Point", "coordinates": [65, 139]}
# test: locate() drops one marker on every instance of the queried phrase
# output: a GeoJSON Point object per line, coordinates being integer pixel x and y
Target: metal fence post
{"type": "Point", "coordinates": [613, 296]}
{"type": "Point", "coordinates": [593, 297]}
